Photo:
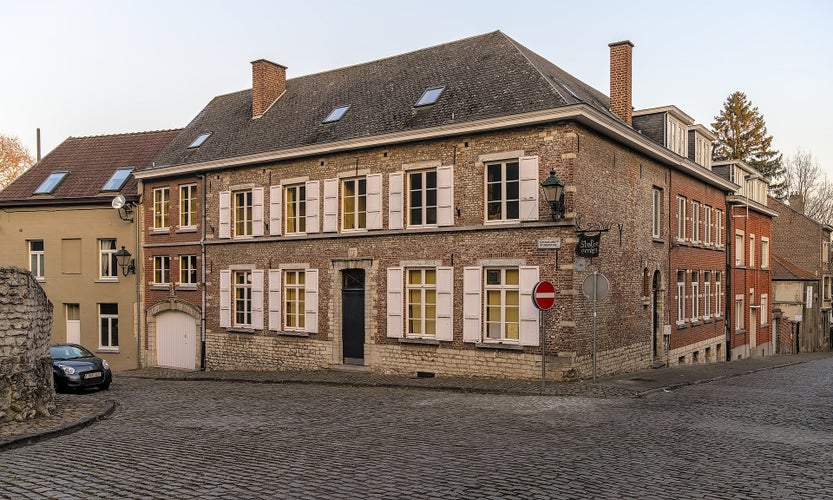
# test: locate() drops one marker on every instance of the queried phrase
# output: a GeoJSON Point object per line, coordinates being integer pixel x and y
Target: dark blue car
{"type": "Point", "coordinates": [75, 368]}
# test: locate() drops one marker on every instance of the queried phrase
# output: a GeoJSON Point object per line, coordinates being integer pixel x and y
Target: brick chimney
{"type": "Point", "coordinates": [268, 83]}
{"type": "Point", "coordinates": [621, 81]}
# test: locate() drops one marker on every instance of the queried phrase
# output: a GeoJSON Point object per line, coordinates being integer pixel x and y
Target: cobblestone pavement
{"type": "Point", "coordinates": [762, 435]}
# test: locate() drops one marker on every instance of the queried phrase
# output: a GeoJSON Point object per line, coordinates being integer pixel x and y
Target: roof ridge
{"type": "Point", "coordinates": [125, 134]}
{"type": "Point", "coordinates": [552, 85]}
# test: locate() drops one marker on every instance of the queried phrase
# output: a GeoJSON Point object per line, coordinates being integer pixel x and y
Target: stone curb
{"type": "Point", "coordinates": [679, 385]}
{"type": "Point", "coordinates": [27, 439]}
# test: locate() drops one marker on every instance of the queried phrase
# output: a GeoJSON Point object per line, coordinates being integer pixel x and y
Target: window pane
{"type": "Point", "coordinates": [512, 277]}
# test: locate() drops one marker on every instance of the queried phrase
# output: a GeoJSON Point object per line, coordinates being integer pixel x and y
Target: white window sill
{"type": "Point", "coordinates": [107, 280]}
{"type": "Point", "coordinates": [108, 350]}
{"type": "Point", "coordinates": [186, 229]}
{"type": "Point", "coordinates": [160, 230]}
{"type": "Point", "coordinates": [499, 345]}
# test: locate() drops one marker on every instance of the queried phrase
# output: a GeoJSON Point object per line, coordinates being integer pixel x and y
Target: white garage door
{"type": "Point", "coordinates": [176, 338]}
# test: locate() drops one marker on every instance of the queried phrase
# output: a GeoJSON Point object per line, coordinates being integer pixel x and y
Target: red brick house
{"type": "Point", "coordinates": [749, 281]}
{"type": "Point", "coordinates": [390, 215]}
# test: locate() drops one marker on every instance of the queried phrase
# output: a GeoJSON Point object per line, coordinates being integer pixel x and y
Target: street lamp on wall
{"type": "Point", "coordinates": [124, 261]}
{"type": "Point", "coordinates": [554, 195]}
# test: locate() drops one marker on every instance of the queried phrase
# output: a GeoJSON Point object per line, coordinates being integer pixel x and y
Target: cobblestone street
{"type": "Point", "coordinates": [763, 435]}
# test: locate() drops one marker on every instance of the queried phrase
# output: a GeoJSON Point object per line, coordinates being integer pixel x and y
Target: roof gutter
{"type": "Point", "coordinates": [582, 113]}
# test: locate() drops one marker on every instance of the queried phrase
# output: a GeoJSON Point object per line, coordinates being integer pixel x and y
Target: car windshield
{"type": "Point", "coordinates": [64, 352]}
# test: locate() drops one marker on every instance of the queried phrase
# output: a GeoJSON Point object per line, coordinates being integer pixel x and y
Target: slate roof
{"type": "Point", "coordinates": [485, 76]}
{"type": "Point", "coordinates": [89, 161]}
{"type": "Point", "coordinates": [783, 270]}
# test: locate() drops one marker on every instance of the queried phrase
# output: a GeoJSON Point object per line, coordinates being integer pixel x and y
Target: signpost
{"type": "Point", "coordinates": [595, 288]}
{"type": "Point", "coordinates": [543, 296]}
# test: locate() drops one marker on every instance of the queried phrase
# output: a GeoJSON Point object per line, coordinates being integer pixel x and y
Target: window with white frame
{"type": "Point", "coordinates": [242, 304]}
{"type": "Point", "coordinates": [680, 296]}
{"type": "Point", "coordinates": [695, 221]}
{"type": "Point", "coordinates": [656, 212]}
{"type": "Point", "coordinates": [161, 270]}
{"type": "Point", "coordinates": [503, 191]}
{"type": "Point", "coordinates": [681, 229]}
{"type": "Point", "coordinates": [161, 208]}
{"type": "Point", "coordinates": [502, 304]}
{"type": "Point", "coordinates": [188, 270]}
{"type": "Point", "coordinates": [718, 294]}
{"type": "Point", "coordinates": [764, 252]}
{"type": "Point", "coordinates": [188, 205]}
{"type": "Point", "coordinates": [295, 208]}
{"type": "Point", "coordinates": [718, 227]}
{"type": "Point", "coordinates": [827, 288]}
{"type": "Point", "coordinates": [421, 309]}
{"type": "Point", "coordinates": [108, 326]}
{"type": "Point", "coordinates": [707, 294]}
{"type": "Point", "coordinates": [294, 296]}
{"type": "Point", "coordinates": [825, 251]}
{"type": "Point", "coordinates": [354, 204]}
{"type": "Point", "coordinates": [707, 225]}
{"type": "Point", "coordinates": [764, 309]}
{"type": "Point", "coordinates": [108, 267]}
{"type": "Point", "coordinates": [243, 212]}
{"type": "Point", "coordinates": [422, 198]}
{"type": "Point", "coordinates": [739, 312]}
{"type": "Point", "coordinates": [752, 250]}
{"type": "Point", "coordinates": [36, 259]}
{"type": "Point", "coordinates": [739, 260]}
{"type": "Point", "coordinates": [695, 295]}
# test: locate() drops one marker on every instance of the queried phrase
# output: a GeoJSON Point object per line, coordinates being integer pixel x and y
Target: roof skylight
{"type": "Point", "coordinates": [51, 182]}
{"type": "Point", "coordinates": [199, 140]}
{"type": "Point", "coordinates": [336, 114]}
{"type": "Point", "coordinates": [430, 96]}
{"type": "Point", "coordinates": [118, 179]}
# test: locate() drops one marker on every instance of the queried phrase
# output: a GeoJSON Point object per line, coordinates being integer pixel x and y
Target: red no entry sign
{"type": "Point", "coordinates": [543, 295]}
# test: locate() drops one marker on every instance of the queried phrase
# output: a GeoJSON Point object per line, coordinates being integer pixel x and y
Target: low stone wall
{"type": "Point", "coordinates": [26, 385]}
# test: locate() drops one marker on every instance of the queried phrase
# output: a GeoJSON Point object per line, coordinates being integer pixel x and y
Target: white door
{"type": "Point", "coordinates": [73, 315]}
{"type": "Point", "coordinates": [176, 340]}
{"type": "Point", "coordinates": [753, 329]}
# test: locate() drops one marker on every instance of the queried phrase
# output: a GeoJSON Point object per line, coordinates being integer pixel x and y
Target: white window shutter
{"type": "Point", "coordinates": [313, 221]}
{"type": "Point", "coordinates": [330, 206]}
{"type": "Point", "coordinates": [396, 200]}
{"type": "Point", "coordinates": [374, 201]}
{"type": "Point", "coordinates": [275, 299]}
{"type": "Point", "coordinates": [445, 196]}
{"type": "Point", "coordinates": [396, 325]}
{"type": "Point", "coordinates": [529, 334]}
{"type": "Point", "coordinates": [311, 301]}
{"type": "Point", "coordinates": [529, 186]}
{"type": "Point", "coordinates": [257, 299]}
{"type": "Point", "coordinates": [225, 298]}
{"type": "Point", "coordinates": [472, 304]}
{"type": "Point", "coordinates": [275, 210]}
{"type": "Point", "coordinates": [445, 303]}
{"type": "Point", "coordinates": [257, 211]}
{"type": "Point", "coordinates": [225, 214]}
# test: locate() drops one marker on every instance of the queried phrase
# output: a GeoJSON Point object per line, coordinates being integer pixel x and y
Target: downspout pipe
{"type": "Point", "coordinates": [202, 274]}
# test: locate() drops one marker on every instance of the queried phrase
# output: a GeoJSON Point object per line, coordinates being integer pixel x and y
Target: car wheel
{"type": "Point", "coordinates": [104, 386]}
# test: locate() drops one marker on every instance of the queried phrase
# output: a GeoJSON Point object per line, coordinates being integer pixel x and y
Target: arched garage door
{"type": "Point", "coordinates": [176, 340]}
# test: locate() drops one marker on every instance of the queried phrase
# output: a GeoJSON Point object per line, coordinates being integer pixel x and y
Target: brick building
{"type": "Point", "coordinates": [749, 280]}
{"type": "Point", "coordinates": [801, 278]}
{"type": "Point", "coordinates": [390, 215]}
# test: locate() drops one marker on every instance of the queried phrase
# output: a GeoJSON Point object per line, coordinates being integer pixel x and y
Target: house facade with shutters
{"type": "Point", "coordinates": [57, 221]}
{"type": "Point", "coordinates": [390, 215]}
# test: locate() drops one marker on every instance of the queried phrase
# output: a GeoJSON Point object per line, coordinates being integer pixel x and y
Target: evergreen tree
{"type": "Point", "coordinates": [742, 135]}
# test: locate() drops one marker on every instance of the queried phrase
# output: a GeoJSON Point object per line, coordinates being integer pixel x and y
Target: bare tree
{"type": "Point", "coordinates": [14, 159]}
{"type": "Point", "coordinates": [808, 189]}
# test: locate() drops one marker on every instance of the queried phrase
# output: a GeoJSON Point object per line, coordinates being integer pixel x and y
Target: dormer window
{"type": "Point", "coordinates": [200, 140]}
{"type": "Point", "coordinates": [51, 183]}
{"type": "Point", "coordinates": [336, 114]}
{"type": "Point", "coordinates": [430, 96]}
{"type": "Point", "coordinates": [118, 179]}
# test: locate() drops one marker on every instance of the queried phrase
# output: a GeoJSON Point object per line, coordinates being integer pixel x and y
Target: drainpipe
{"type": "Point", "coordinates": [137, 277]}
{"type": "Point", "coordinates": [202, 280]}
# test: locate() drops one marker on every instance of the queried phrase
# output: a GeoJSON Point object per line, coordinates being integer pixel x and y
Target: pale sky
{"type": "Point", "coordinates": [84, 67]}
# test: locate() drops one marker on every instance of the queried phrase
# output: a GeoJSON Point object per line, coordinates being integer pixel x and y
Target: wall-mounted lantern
{"type": "Point", "coordinates": [126, 264]}
{"type": "Point", "coordinates": [554, 195]}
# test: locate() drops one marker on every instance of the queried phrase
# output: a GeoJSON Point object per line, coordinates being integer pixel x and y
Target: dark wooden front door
{"type": "Point", "coordinates": [352, 315]}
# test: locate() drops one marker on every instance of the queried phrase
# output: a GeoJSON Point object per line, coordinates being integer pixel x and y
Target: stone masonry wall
{"type": "Point", "coordinates": [26, 385]}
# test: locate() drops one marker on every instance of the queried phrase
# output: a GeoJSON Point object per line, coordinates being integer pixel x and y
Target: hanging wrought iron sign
{"type": "Point", "coordinates": [590, 238]}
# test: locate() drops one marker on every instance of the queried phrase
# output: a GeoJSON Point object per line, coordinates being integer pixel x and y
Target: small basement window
{"type": "Point", "coordinates": [51, 183]}
{"type": "Point", "coordinates": [118, 179]}
{"type": "Point", "coordinates": [336, 114]}
{"type": "Point", "coordinates": [430, 96]}
{"type": "Point", "coordinates": [200, 140]}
